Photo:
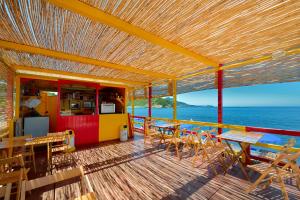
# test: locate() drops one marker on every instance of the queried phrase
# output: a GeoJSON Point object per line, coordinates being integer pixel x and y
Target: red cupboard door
{"type": "Point", "coordinates": [86, 128]}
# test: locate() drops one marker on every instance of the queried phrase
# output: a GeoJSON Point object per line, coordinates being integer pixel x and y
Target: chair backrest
{"type": "Point", "coordinates": [208, 139]}
{"type": "Point", "coordinates": [196, 129]}
{"type": "Point", "coordinates": [62, 133]}
{"type": "Point", "coordinates": [17, 138]}
{"type": "Point", "coordinates": [7, 164]}
{"type": "Point", "coordinates": [57, 133]}
{"type": "Point", "coordinates": [286, 155]}
{"type": "Point", "coordinates": [184, 131]}
{"type": "Point", "coordinates": [148, 124]}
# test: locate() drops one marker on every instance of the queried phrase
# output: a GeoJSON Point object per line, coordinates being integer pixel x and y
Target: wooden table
{"type": "Point", "coordinates": [244, 139]}
{"type": "Point", "coordinates": [168, 126]}
{"type": "Point", "coordinates": [10, 144]}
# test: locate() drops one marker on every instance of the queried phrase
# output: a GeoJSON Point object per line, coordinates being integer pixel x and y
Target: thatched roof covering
{"type": "Point", "coordinates": [224, 32]}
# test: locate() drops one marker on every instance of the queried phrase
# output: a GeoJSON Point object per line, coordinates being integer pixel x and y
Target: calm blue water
{"type": "Point", "coordinates": [267, 117]}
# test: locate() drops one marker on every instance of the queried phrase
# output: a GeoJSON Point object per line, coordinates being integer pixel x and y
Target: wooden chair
{"type": "Point", "coordinates": [272, 171]}
{"type": "Point", "coordinates": [86, 189]}
{"type": "Point", "coordinates": [150, 133]}
{"type": "Point", "coordinates": [189, 139]}
{"type": "Point", "coordinates": [176, 141]}
{"type": "Point", "coordinates": [27, 151]}
{"type": "Point", "coordinates": [209, 150]}
{"type": "Point", "coordinates": [59, 148]}
{"type": "Point", "coordinates": [12, 170]}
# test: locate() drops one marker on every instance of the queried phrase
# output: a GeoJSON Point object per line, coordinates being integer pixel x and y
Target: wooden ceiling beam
{"type": "Point", "coordinates": [239, 64]}
{"type": "Point", "coordinates": [110, 20]}
{"type": "Point", "coordinates": [71, 75]}
{"type": "Point", "coordinates": [80, 59]}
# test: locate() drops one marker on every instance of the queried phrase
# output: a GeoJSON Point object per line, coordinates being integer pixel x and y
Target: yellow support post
{"type": "Point", "coordinates": [174, 100]}
{"type": "Point", "coordinates": [18, 96]}
{"type": "Point", "coordinates": [132, 103]}
{"type": "Point", "coordinates": [11, 128]}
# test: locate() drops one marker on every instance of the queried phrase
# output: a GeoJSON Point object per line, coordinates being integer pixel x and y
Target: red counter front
{"type": "Point", "coordinates": [86, 128]}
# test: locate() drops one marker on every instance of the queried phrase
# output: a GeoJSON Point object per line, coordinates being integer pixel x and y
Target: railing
{"type": "Point", "coordinates": [137, 129]}
{"type": "Point", "coordinates": [234, 127]}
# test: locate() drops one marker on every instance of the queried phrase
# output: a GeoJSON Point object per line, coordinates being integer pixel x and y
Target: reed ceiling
{"type": "Point", "coordinates": [223, 31]}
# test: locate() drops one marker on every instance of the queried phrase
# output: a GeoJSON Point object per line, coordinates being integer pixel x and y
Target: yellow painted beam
{"type": "Point", "coordinates": [239, 64]}
{"type": "Point", "coordinates": [174, 100]}
{"type": "Point", "coordinates": [275, 147]}
{"type": "Point", "coordinates": [29, 76]}
{"type": "Point", "coordinates": [19, 68]}
{"type": "Point", "coordinates": [76, 58]}
{"type": "Point", "coordinates": [208, 71]}
{"type": "Point", "coordinates": [102, 17]}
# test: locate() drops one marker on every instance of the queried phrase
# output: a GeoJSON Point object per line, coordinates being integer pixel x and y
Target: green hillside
{"type": "Point", "coordinates": [158, 102]}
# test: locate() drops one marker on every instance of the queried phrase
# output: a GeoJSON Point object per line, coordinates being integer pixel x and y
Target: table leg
{"type": "Point", "coordinates": [244, 147]}
{"type": "Point", "coordinates": [236, 157]}
{"type": "Point", "coordinates": [161, 136]}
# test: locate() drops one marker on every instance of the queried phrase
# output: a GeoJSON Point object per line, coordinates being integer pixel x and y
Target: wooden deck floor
{"type": "Point", "coordinates": [132, 170]}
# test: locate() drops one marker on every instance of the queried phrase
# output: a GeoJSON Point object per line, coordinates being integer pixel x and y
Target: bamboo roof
{"type": "Point", "coordinates": [155, 41]}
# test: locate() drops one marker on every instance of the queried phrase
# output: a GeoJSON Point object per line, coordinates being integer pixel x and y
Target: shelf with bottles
{"type": "Point", "coordinates": [112, 97]}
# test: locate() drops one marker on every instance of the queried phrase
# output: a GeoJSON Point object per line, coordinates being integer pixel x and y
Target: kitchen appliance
{"type": "Point", "coordinates": [75, 105]}
{"type": "Point", "coordinates": [108, 108]}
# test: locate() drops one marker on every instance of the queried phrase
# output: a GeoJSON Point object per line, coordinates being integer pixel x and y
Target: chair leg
{"type": "Point", "coordinates": [255, 184]}
{"type": "Point", "coordinates": [177, 150]}
{"type": "Point", "coordinates": [19, 185]}
{"type": "Point", "coordinates": [283, 189]}
{"type": "Point", "coordinates": [168, 147]}
{"type": "Point", "coordinates": [296, 171]}
{"type": "Point", "coordinates": [33, 160]}
{"type": "Point", "coordinates": [222, 161]}
{"type": "Point", "coordinates": [196, 156]}
{"type": "Point", "coordinates": [212, 165]}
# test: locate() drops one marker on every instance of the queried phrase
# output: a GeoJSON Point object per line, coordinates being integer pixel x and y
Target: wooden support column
{"type": "Point", "coordinates": [150, 101]}
{"type": "Point", "coordinates": [132, 104]}
{"type": "Point", "coordinates": [220, 97]}
{"type": "Point", "coordinates": [18, 97]}
{"type": "Point", "coordinates": [58, 101]}
{"type": "Point", "coordinates": [174, 100]}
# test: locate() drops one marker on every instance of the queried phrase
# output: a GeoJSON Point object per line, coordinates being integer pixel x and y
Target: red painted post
{"type": "Point", "coordinates": [97, 100]}
{"type": "Point", "coordinates": [220, 98]}
{"type": "Point", "coordinates": [150, 102]}
{"type": "Point", "coordinates": [58, 104]}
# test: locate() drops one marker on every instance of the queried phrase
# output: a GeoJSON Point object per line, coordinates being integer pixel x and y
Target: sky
{"type": "Point", "coordinates": [279, 94]}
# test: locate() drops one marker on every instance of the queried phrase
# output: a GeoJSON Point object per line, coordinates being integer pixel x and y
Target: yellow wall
{"type": "Point", "coordinates": [109, 126]}
{"type": "Point", "coordinates": [52, 112]}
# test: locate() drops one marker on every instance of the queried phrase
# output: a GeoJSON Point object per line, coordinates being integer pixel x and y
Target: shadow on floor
{"type": "Point", "coordinates": [94, 167]}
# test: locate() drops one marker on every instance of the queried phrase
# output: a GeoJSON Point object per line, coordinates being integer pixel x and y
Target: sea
{"type": "Point", "coordinates": [287, 118]}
